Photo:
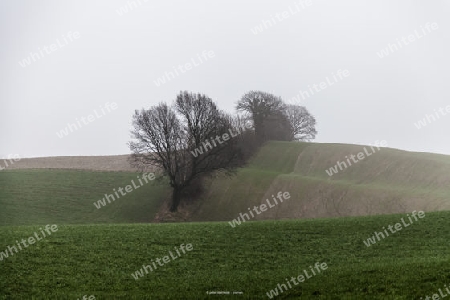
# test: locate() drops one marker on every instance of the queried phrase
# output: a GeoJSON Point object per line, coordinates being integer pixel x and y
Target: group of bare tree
{"type": "Point", "coordinates": [167, 136]}
{"type": "Point", "coordinates": [275, 120]}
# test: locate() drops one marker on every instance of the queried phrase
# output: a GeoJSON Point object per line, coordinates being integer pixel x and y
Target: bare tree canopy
{"type": "Point", "coordinates": [303, 124]}
{"type": "Point", "coordinates": [277, 127]}
{"type": "Point", "coordinates": [260, 105]}
{"type": "Point", "coordinates": [184, 141]}
{"type": "Point", "coordinates": [274, 120]}
{"type": "Point", "coordinates": [193, 138]}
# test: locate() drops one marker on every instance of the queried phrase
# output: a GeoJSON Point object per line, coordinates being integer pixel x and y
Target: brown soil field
{"type": "Point", "coordinates": [93, 163]}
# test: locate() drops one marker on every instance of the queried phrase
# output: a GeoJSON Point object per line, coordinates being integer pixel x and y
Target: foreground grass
{"type": "Point", "coordinates": [252, 258]}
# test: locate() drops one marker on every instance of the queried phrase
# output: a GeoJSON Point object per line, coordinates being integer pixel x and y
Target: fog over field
{"type": "Point", "coordinates": [101, 52]}
{"type": "Point", "coordinates": [293, 149]}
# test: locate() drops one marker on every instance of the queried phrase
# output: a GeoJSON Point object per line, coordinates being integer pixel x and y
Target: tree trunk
{"type": "Point", "coordinates": [259, 128]}
{"type": "Point", "coordinates": [176, 198]}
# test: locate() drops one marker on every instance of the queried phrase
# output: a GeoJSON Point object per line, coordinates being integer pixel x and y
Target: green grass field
{"type": "Point", "coordinates": [95, 251]}
{"type": "Point", "coordinates": [387, 182]}
{"type": "Point", "coordinates": [33, 197]}
{"type": "Point", "coordinates": [253, 258]}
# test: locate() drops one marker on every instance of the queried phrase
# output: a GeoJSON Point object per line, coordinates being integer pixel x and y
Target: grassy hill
{"type": "Point", "coordinates": [96, 251]}
{"type": "Point", "coordinates": [252, 258]}
{"type": "Point", "coordinates": [389, 181]}
{"type": "Point", "coordinates": [32, 197]}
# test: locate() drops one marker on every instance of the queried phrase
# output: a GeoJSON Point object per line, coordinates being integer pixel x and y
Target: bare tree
{"type": "Point", "coordinates": [247, 144]}
{"type": "Point", "coordinates": [170, 138]}
{"type": "Point", "coordinates": [260, 105]}
{"type": "Point", "coordinates": [274, 120]}
{"type": "Point", "coordinates": [303, 124]}
{"type": "Point", "coordinates": [278, 127]}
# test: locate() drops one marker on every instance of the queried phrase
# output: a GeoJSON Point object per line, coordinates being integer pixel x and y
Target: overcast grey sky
{"type": "Point", "coordinates": [90, 54]}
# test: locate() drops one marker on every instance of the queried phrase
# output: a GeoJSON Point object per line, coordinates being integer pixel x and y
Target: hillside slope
{"type": "Point", "coordinates": [388, 181]}
{"type": "Point", "coordinates": [30, 197]}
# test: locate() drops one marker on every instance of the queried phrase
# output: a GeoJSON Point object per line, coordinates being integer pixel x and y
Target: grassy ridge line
{"type": "Point", "coordinates": [377, 185]}
{"type": "Point", "coordinates": [385, 166]}
{"type": "Point", "coordinates": [252, 258]}
{"type": "Point", "coordinates": [390, 181]}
